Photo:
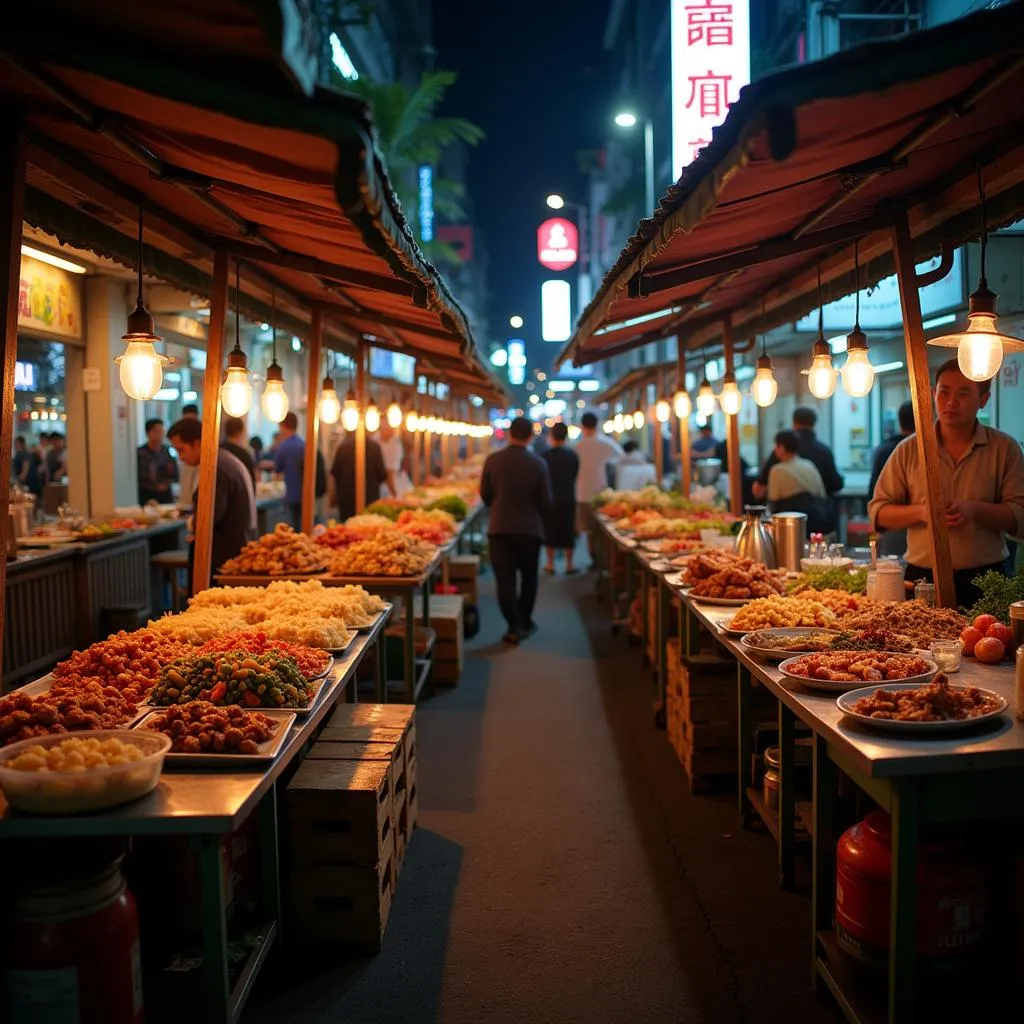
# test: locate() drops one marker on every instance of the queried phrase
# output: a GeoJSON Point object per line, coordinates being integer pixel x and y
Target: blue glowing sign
{"type": "Point", "coordinates": [427, 203]}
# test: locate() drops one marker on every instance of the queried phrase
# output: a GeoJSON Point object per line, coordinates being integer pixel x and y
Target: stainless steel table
{"type": "Point", "coordinates": [206, 806]}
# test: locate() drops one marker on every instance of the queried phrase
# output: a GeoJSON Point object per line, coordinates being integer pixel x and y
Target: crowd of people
{"type": "Point", "coordinates": [41, 463]}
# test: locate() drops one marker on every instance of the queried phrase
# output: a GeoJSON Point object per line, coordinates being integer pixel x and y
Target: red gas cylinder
{"type": "Point", "coordinates": [952, 896]}
{"type": "Point", "coordinates": [72, 953]}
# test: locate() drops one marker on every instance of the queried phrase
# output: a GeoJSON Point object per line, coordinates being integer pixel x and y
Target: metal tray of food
{"type": "Point", "coordinates": [263, 758]}
{"type": "Point", "coordinates": [846, 703]}
{"type": "Point", "coordinates": [383, 614]}
{"type": "Point", "coordinates": [722, 602]}
{"type": "Point", "coordinates": [844, 685]}
{"type": "Point", "coordinates": [759, 641]}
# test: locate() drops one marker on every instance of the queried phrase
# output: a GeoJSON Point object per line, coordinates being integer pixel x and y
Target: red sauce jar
{"type": "Point", "coordinates": [952, 896]}
{"type": "Point", "coordinates": [72, 953]}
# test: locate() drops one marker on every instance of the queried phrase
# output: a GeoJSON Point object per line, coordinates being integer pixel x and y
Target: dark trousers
{"type": "Point", "coordinates": [967, 594]}
{"type": "Point", "coordinates": [512, 554]}
{"type": "Point", "coordinates": [295, 515]}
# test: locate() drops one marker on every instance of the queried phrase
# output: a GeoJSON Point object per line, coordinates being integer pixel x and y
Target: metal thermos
{"type": "Point", "coordinates": [789, 531]}
{"type": "Point", "coordinates": [754, 541]}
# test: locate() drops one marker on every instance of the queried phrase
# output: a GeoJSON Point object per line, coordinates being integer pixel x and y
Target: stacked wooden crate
{"type": "Point", "coordinates": [701, 714]}
{"type": "Point", "coordinates": [350, 810]}
{"type": "Point", "coordinates": [463, 574]}
{"type": "Point", "coordinates": [446, 620]}
{"type": "Point", "coordinates": [652, 619]}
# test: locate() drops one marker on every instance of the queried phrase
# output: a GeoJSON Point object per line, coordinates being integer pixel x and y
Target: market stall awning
{"type": "Point", "coordinates": [810, 160]}
{"type": "Point", "coordinates": [641, 377]}
{"type": "Point", "coordinates": [290, 185]}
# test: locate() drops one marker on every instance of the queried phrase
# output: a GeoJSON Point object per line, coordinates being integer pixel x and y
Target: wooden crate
{"type": "Point", "coordinates": [463, 574]}
{"type": "Point", "coordinates": [412, 798]}
{"type": "Point", "coordinates": [446, 619]}
{"type": "Point", "coordinates": [340, 811]}
{"type": "Point", "coordinates": [375, 722]}
{"type": "Point", "coordinates": [343, 904]}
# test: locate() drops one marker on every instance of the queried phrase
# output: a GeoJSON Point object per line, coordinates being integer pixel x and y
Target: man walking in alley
{"type": "Point", "coordinates": [516, 487]}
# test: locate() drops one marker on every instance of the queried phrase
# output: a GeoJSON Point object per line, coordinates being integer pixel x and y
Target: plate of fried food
{"type": "Point", "coordinates": [723, 578]}
{"type": "Point", "coordinates": [937, 707]}
{"type": "Point", "coordinates": [839, 671]}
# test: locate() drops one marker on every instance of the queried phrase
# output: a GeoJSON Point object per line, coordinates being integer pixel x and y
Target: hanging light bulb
{"type": "Point", "coordinates": [705, 399]}
{"type": "Point", "coordinates": [730, 398]}
{"type": "Point", "coordinates": [764, 388]}
{"type": "Point", "coordinates": [236, 391]}
{"type": "Point", "coordinates": [858, 373]}
{"type": "Point", "coordinates": [275, 399]}
{"type": "Point", "coordinates": [821, 377]}
{"type": "Point", "coordinates": [980, 346]}
{"type": "Point", "coordinates": [329, 409]}
{"type": "Point", "coordinates": [607, 426]}
{"type": "Point", "coordinates": [412, 421]}
{"type": "Point", "coordinates": [681, 405]}
{"type": "Point", "coordinates": [662, 411]}
{"type": "Point", "coordinates": [639, 419]}
{"type": "Point", "coordinates": [350, 410]}
{"type": "Point", "coordinates": [141, 367]}
{"type": "Point", "coordinates": [627, 422]}
{"type": "Point", "coordinates": [619, 422]}
{"type": "Point", "coordinates": [371, 417]}
{"type": "Point", "coordinates": [394, 413]}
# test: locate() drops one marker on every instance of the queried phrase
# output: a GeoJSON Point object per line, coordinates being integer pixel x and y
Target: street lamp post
{"type": "Point", "coordinates": [627, 119]}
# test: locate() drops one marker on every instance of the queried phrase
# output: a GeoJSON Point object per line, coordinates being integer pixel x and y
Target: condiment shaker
{"type": "Point", "coordinates": [1017, 624]}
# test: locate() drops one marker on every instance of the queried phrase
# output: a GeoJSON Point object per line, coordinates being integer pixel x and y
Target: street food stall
{"type": "Point", "coordinates": [823, 179]}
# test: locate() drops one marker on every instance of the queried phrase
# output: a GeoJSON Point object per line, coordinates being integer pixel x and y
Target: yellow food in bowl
{"type": "Point", "coordinates": [75, 755]}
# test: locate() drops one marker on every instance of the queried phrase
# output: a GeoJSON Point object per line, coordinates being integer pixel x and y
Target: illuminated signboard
{"type": "Point", "coordinates": [427, 203]}
{"type": "Point", "coordinates": [880, 306]}
{"type": "Point", "coordinates": [24, 376]}
{"type": "Point", "coordinates": [555, 310]}
{"type": "Point", "coordinates": [710, 64]}
{"type": "Point", "coordinates": [516, 361]}
{"type": "Point", "coordinates": [393, 365]}
{"type": "Point", "coordinates": [558, 243]}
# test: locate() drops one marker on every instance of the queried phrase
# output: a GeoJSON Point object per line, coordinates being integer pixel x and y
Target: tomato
{"type": "Point", "coordinates": [970, 636]}
{"type": "Point", "coordinates": [989, 650]}
{"type": "Point", "coordinates": [982, 622]}
{"type": "Point", "coordinates": [1001, 633]}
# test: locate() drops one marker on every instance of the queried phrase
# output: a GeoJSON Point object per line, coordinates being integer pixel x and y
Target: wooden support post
{"type": "Point", "coordinates": [417, 457]}
{"type": "Point", "coordinates": [924, 411]}
{"type": "Point", "coordinates": [659, 441]}
{"type": "Point", "coordinates": [316, 341]}
{"type": "Point", "coordinates": [361, 429]}
{"type": "Point", "coordinates": [685, 469]}
{"type": "Point", "coordinates": [210, 443]}
{"type": "Point", "coordinates": [732, 432]}
{"type": "Point", "coordinates": [12, 186]}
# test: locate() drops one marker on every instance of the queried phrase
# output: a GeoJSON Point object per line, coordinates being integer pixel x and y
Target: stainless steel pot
{"type": "Point", "coordinates": [789, 532]}
{"type": "Point", "coordinates": [708, 471]}
{"type": "Point", "coordinates": [754, 541]}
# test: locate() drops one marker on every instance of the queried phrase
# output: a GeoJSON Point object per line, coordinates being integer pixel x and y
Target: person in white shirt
{"type": "Point", "coordinates": [188, 478]}
{"type": "Point", "coordinates": [795, 484]}
{"type": "Point", "coordinates": [392, 449]}
{"type": "Point", "coordinates": [595, 454]}
{"type": "Point", "coordinates": [633, 472]}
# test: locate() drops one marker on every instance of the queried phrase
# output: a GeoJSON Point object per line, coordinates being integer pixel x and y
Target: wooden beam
{"type": "Point", "coordinates": [685, 469]}
{"type": "Point", "coordinates": [361, 430]}
{"type": "Point", "coordinates": [12, 188]}
{"type": "Point", "coordinates": [924, 415]}
{"type": "Point", "coordinates": [417, 457]}
{"type": "Point", "coordinates": [659, 441]}
{"type": "Point", "coordinates": [210, 443]}
{"type": "Point", "coordinates": [316, 340]}
{"type": "Point", "coordinates": [732, 431]}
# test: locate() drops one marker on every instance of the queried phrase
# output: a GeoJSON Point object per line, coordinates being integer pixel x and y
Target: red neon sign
{"type": "Point", "coordinates": [558, 243]}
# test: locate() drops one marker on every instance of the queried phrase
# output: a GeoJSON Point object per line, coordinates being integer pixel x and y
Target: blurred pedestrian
{"type": "Point", "coordinates": [158, 469]}
{"type": "Point", "coordinates": [596, 454]}
{"type": "Point", "coordinates": [342, 483]}
{"type": "Point", "coordinates": [27, 467]}
{"type": "Point", "coordinates": [234, 442]}
{"type": "Point", "coordinates": [188, 476]}
{"type": "Point", "coordinates": [560, 520]}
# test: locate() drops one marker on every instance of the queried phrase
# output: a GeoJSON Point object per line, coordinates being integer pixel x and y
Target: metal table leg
{"type": "Point", "coordinates": [787, 795]}
{"type": "Point", "coordinates": [823, 887]}
{"type": "Point", "coordinates": [745, 742]}
{"type": "Point", "coordinates": [645, 604]}
{"type": "Point", "coordinates": [410, 648]}
{"type": "Point", "coordinates": [215, 929]}
{"type": "Point", "coordinates": [380, 671]}
{"type": "Point", "coordinates": [426, 603]}
{"type": "Point", "coordinates": [271, 881]}
{"type": "Point", "coordinates": [906, 815]}
{"type": "Point", "coordinates": [692, 644]}
{"type": "Point", "coordinates": [661, 640]}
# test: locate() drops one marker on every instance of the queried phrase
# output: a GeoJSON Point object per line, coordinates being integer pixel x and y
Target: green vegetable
{"type": "Point", "coordinates": [998, 592]}
{"type": "Point", "coordinates": [234, 677]}
{"type": "Point", "coordinates": [452, 504]}
{"type": "Point", "coordinates": [830, 579]}
{"type": "Point", "coordinates": [383, 508]}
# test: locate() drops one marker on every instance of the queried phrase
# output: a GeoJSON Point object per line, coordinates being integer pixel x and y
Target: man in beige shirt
{"type": "Point", "coordinates": [795, 485]}
{"type": "Point", "coordinates": [982, 475]}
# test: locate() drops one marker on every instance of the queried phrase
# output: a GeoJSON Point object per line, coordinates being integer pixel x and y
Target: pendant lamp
{"type": "Point", "coordinates": [275, 399]}
{"type": "Point", "coordinates": [412, 421]}
{"type": "Point", "coordinates": [329, 409]}
{"type": "Point", "coordinates": [394, 413]}
{"type": "Point", "coordinates": [662, 411]}
{"type": "Point", "coordinates": [980, 346]}
{"type": "Point", "coordinates": [371, 417]}
{"type": "Point", "coordinates": [236, 389]}
{"type": "Point", "coordinates": [350, 410]}
{"type": "Point", "coordinates": [821, 376]}
{"type": "Point", "coordinates": [730, 398]}
{"type": "Point", "coordinates": [764, 388]}
{"type": "Point", "coordinates": [705, 396]}
{"type": "Point", "coordinates": [141, 367]}
{"type": "Point", "coordinates": [858, 373]}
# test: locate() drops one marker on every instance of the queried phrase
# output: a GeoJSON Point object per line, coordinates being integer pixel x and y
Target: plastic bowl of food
{"type": "Point", "coordinates": [69, 773]}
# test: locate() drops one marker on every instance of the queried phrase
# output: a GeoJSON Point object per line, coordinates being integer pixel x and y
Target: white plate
{"type": "Point", "coordinates": [675, 579]}
{"type": "Point", "coordinates": [774, 653]}
{"type": "Point", "coordinates": [265, 753]}
{"type": "Point", "coordinates": [723, 602]}
{"type": "Point", "coordinates": [47, 541]}
{"type": "Point", "coordinates": [847, 700]}
{"type": "Point", "coordinates": [857, 684]}
{"type": "Point", "coordinates": [660, 565]}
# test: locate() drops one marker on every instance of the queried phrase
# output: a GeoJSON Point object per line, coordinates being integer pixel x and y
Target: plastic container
{"type": "Point", "coordinates": [952, 897]}
{"type": "Point", "coordinates": [72, 951]}
{"type": "Point", "coordinates": [889, 582]}
{"type": "Point", "coordinates": [947, 654]}
{"type": "Point", "coordinates": [89, 790]}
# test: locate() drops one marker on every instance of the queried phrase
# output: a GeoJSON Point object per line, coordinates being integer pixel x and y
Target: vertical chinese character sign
{"type": "Point", "coordinates": [710, 64]}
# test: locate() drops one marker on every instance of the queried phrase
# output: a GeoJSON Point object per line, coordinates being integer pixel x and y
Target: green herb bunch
{"type": "Point", "coordinates": [998, 592]}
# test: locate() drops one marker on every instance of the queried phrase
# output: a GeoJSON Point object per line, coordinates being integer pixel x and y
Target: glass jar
{"type": "Point", "coordinates": [1017, 624]}
{"type": "Point", "coordinates": [1019, 688]}
{"type": "Point", "coordinates": [947, 654]}
{"type": "Point", "coordinates": [925, 593]}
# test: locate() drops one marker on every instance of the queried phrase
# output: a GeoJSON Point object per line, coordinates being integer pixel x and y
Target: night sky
{"type": "Point", "coordinates": [531, 74]}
